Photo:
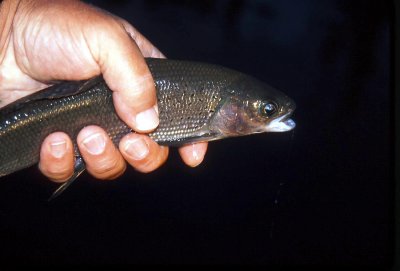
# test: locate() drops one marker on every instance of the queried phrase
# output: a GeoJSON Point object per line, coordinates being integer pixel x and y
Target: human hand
{"type": "Point", "coordinates": [45, 41]}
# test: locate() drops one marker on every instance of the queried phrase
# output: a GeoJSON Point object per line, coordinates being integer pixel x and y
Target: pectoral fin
{"type": "Point", "coordinates": [79, 167]}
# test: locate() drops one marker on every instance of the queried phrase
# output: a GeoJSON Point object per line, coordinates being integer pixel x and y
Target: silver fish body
{"type": "Point", "coordinates": [197, 102]}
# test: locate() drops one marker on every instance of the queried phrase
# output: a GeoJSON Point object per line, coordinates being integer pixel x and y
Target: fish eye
{"type": "Point", "coordinates": [269, 108]}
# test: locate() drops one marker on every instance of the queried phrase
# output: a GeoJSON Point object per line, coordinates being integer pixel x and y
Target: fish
{"type": "Point", "coordinates": [197, 102]}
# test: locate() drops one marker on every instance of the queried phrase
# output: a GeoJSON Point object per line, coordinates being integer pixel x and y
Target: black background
{"type": "Point", "coordinates": [321, 195]}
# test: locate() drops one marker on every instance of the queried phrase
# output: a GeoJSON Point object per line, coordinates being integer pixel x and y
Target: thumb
{"type": "Point", "coordinates": [128, 76]}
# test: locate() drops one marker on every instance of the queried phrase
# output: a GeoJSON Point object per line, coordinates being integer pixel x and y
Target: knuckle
{"type": "Point", "coordinates": [140, 88]}
{"type": "Point", "coordinates": [148, 164]}
{"type": "Point", "coordinates": [116, 173]}
{"type": "Point", "coordinates": [107, 168]}
{"type": "Point", "coordinates": [58, 173]}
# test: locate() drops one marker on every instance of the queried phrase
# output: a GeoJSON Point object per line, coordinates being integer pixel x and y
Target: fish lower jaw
{"type": "Point", "coordinates": [280, 125]}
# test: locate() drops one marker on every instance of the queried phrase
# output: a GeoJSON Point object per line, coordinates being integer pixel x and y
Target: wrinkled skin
{"type": "Point", "coordinates": [45, 41]}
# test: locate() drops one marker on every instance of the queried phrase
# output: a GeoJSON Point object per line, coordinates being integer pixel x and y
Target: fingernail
{"type": "Point", "coordinates": [197, 156]}
{"type": "Point", "coordinates": [195, 153]}
{"type": "Point", "coordinates": [58, 148]}
{"type": "Point", "coordinates": [137, 149]}
{"type": "Point", "coordinates": [147, 120]}
{"type": "Point", "coordinates": [95, 144]}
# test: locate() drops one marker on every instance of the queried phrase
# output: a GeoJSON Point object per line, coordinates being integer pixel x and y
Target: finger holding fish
{"type": "Point", "coordinates": [101, 157]}
{"type": "Point", "coordinates": [193, 154]}
{"type": "Point", "coordinates": [142, 152]}
{"type": "Point", "coordinates": [56, 157]}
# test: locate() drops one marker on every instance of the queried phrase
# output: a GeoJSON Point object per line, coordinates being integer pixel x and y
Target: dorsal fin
{"type": "Point", "coordinates": [65, 88]}
{"type": "Point", "coordinates": [59, 90]}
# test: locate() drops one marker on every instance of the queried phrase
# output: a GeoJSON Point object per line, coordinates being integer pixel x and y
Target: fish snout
{"type": "Point", "coordinates": [290, 106]}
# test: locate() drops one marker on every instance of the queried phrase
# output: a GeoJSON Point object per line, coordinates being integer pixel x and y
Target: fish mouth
{"type": "Point", "coordinates": [281, 124]}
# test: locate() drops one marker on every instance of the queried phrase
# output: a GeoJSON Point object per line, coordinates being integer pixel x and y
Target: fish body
{"type": "Point", "coordinates": [197, 102]}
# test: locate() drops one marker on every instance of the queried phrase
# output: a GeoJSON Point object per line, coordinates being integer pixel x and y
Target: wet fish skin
{"type": "Point", "coordinates": [197, 102]}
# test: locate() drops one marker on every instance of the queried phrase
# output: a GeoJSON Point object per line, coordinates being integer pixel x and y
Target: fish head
{"type": "Point", "coordinates": [253, 107]}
